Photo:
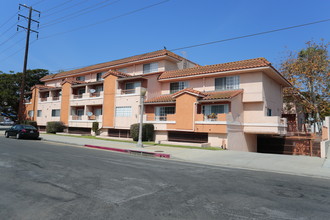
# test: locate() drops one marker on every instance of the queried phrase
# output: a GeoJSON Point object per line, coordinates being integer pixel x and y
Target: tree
{"type": "Point", "coordinates": [308, 71]}
{"type": "Point", "coordinates": [10, 88]}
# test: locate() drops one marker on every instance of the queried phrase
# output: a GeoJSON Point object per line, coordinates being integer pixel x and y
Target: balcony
{"type": "Point", "coordinates": [128, 91]}
{"type": "Point", "coordinates": [56, 98]}
{"type": "Point", "coordinates": [43, 99]}
{"type": "Point", "coordinates": [96, 94]}
{"type": "Point", "coordinates": [76, 117]}
{"type": "Point", "coordinates": [266, 125]}
{"type": "Point", "coordinates": [211, 119]}
{"type": "Point", "coordinates": [80, 96]}
{"type": "Point", "coordinates": [170, 118]}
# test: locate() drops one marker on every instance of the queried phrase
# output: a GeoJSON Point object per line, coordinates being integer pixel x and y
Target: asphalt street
{"type": "Point", "coordinates": [44, 180]}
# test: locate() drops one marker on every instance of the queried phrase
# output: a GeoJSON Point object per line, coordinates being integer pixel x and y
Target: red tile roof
{"type": "Point", "coordinates": [222, 94]}
{"type": "Point", "coordinates": [105, 65]}
{"type": "Point", "coordinates": [42, 87]}
{"type": "Point", "coordinates": [115, 73]}
{"type": "Point", "coordinates": [202, 95]}
{"type": "Point", "coordinates": [72, 81]}
{"type": "Point", "coordinates": [238, 65]}
{"type": "Point", "coordinates": [190, 91]}
{"type": "Point", "coordinates": [162, 98]}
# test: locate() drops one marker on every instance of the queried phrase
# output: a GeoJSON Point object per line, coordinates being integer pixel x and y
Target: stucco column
{"type": "Point", "coordinates": [65, 103]}
{"type": "Point", "coordinates": [109, 88]}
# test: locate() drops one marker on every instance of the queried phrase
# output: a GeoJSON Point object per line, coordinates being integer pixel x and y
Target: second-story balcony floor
{"type": "Point", "coordinates": [50, 99]}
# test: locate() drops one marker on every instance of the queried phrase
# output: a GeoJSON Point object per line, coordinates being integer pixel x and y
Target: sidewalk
{"type": "Point", "coordinates": [296, 165]}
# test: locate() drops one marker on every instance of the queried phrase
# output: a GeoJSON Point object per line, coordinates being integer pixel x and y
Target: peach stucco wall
{"type": "Point", "coordinates": [65, 103]}
{"type": "Point", "coordinates": [185, 110]}
{"type": "Point", "coordinates": [109, 100]}
{"type": "Point", "coordinates": [132, 101]}
{"type": "Point", "coordinates": [33, 105]}
{"type": "Point", "coordinates": [273, 96]}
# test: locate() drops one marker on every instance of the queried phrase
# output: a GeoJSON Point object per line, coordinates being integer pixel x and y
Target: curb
{"type": "Point", "coordinates": [162, 155]}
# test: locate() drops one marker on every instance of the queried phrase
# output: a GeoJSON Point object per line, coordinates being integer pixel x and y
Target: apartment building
{"type": "Point", "coordinates": [226, 105]}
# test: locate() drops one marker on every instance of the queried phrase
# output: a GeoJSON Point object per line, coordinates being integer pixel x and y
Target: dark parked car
{"type": "Point", "coordinates": [22, 131]}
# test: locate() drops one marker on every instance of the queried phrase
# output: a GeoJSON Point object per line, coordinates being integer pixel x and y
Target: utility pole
{"type": "Point", "coordinates": [28, 31]}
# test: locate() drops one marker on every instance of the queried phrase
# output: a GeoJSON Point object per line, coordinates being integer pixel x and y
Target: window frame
{"type": "Point", "coordinates": [54, 111]}
{"type": "Point", "coordinates": [123, 111]}
{"type": "Point", "coordinates": [79, 78]}
{"type": "Point", "coordinates": [150, 67]}
{"type": "Point", "coordinates": [207, 109]}
{"type": "Point", "coordinates": [227, 83]}
{"type": "Point", "coordinates": [181, 85]}
{"type": "Point", "coordinates": [39, 113]}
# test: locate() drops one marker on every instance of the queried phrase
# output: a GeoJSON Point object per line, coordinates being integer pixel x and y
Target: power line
{"type": "Point", "coordinates": [109, 19]}
{"type": "Point", "coordinates": [8, 20]}
{"type": "Point", "coordinates": [11, 37]}
{"type": "Point", "coordinates": [37, 3]}
{"type": "Point", "coordinates": [57, 6]}
{"type": "Point", "coordinates": [235, 38]}
{"type": "Point", "coordinates": [1, 52]}
{"type": "Point", "coordinates": [8, 29]}
{"type": "Point", "coordinates": [77, 13]}
{"type": "Point", "coordinates": [252, 35]}
{"type": "Point", "coordinates": [63, 9]}
{"type": "Point", "coordinates": [17, 51]}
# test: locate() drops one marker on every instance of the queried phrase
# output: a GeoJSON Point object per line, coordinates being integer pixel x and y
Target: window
{"type": "Point", "coordinates": [99, 76]}
{"type": "Point", "coordinates": [150, 68]}
{"type": "Point", "coordinates": [80, 91]}
{"type": "Point", "coordinates": [99, 88]}
{"type": "Point", "coordinates": [131, 87]}
{"type": "Point", "coordinates": [123, 70]}
{"type": "Point", "coordinates": [227, 83]}
{"type": "Point", "coordinates": [216, 109]}
{"type": "Point", "coordinates": [98, 111]}
{"type": "Point", "coordinates": [269, 112]}
{"type": "Point", "coordinates": [80, 78]}
{"type": "Point", "coordinates": [31, 113]}
{"type": "Point", "coordinates": [162, 112]}
{"type": "Point", "coordinates": [39, 113]}
{"type": "Point", "coordinates": [177, 86]}
{"type": "Point", "coordinates": [124, 111]}
{"type": "Point", "coordinates": [55, 112]}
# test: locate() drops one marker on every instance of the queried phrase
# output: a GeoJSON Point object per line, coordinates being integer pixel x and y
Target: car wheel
{"type": "Point", "coordinates": [18, 136]}
{"type": "Point", "coordinates": [6, 135]}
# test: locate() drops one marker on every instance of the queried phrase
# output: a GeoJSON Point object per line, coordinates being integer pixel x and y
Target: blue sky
{"type": "Point", "coordinates": [173, 23]}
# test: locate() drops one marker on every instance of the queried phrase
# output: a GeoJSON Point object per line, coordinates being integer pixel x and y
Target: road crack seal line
{"type": "Point", "coordinates": [56, 192]}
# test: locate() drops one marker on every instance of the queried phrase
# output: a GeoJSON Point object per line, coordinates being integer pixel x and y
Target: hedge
{"type": "Point", "coordinates": [54, 126]}
{"type": "Point", "coordinates": [33, 123]}
{"type": "Point", "coordinates": [147, 132]}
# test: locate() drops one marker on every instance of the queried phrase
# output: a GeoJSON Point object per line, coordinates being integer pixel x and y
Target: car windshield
{"type": "Point", "coordinates": [28, 127]}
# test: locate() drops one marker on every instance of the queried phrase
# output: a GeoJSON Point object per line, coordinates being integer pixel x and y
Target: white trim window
{"type": "Point", "coordinates": [39, 113]}
{"type": "Point", "coordinates": [56, 112]}
{"type": "Point", "coordinates": [98, 76]}
{"type": "Point", "coordinates": [177, 86]}
{"type": "Point", "coordinates": [150, 68]}
{"type": "Point", "coordinates": [162, 112]}
{"type": "Point", "coordinates": [215, 109]}
{"type": "Point", "coordinates": [124, 111]}
{"type": "Point", "coordinates": [80, 78]}
{"type": "Point", "coordinates": [31, 113]}
{"type": "Point", "coordinates": [227, 83]}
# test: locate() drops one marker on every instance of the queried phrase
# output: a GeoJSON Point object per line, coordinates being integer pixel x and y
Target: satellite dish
{"type": "Point", "coordinates": [92, 90]}
{"type": "Point", "coordinates": [60, 92]}
{"type": "Point", "coordinates": [89, 113]}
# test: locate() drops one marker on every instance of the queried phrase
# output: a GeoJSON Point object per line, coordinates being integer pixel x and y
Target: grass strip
{"type": "Point", "coordinates": [134, 142]}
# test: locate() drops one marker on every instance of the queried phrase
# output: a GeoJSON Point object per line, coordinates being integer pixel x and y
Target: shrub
{"type": "Point", "coordinates": [95, 126]}
{"type": "Point", "coordinates": [54, 126]}
{"type": "Point", "coordinates": [33, 123]}
{"type": "Point", "coordinates": [147, 132]}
